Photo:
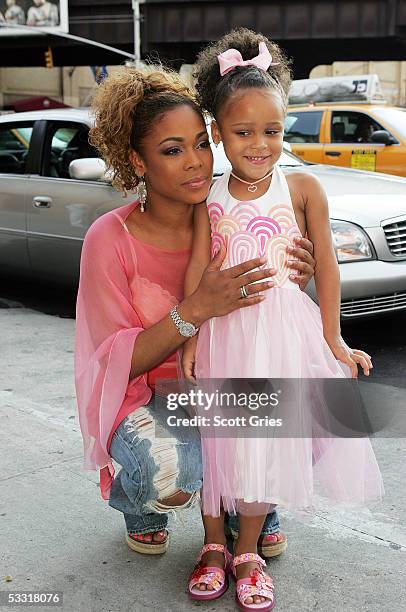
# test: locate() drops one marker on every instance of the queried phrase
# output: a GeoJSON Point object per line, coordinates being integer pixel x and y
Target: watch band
{"type": "Point", "coordinates": [185, 328]}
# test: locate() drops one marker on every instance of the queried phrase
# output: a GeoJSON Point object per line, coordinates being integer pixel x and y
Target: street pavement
{"type": "Point", "coordinates": [57, 534]}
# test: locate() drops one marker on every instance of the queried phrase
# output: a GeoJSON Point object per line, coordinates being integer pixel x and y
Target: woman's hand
{"type": "Point", "coordinates": [305, 265]}
{"type": "Point", "coordinates": [219, 292]}
{"type": "Point", "coordinates": [351, 357]}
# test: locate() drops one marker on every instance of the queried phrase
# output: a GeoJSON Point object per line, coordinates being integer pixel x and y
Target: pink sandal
{"type": "Point", "coordinates": [257, 583]}
{"type": "Point", "coordinates": [210, 575]}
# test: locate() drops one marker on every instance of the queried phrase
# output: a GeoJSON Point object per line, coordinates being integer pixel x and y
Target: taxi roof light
{"type": "Point", "coordinates": [343, 89]}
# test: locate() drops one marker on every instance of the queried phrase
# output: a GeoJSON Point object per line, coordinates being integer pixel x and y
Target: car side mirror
{"type": "Point", "coordinates": [88, 169]}
{"type": "Point", "coordinates": [382, 137]}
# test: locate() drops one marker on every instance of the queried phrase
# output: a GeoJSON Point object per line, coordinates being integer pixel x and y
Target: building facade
{"type": "Point", "coordinates": [311, 32]}
{"type": "Point", "coordinates": [324, 36]}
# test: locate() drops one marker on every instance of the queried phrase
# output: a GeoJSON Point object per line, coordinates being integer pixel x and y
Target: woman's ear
{"type": "Point", "coordinates": [215, 132]}
{"type": "Point", "coordinates": [137, 162]}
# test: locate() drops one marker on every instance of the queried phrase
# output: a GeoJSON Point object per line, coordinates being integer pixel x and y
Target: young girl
{"type": "Point", "coordinates": [255, 210]}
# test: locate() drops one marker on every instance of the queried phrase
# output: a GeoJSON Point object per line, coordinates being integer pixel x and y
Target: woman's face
{"type": "Point", "coordinates": [176, 157]}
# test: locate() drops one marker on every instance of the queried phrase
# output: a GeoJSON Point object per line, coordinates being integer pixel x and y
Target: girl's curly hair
{"type": "Point", "coordinates": [214, 90]}
{"type": "Point", "coordinates": [125, 106]}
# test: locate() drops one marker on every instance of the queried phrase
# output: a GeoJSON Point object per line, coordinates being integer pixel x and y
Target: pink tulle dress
{"type": "Point", "coordinates": [280, 338]}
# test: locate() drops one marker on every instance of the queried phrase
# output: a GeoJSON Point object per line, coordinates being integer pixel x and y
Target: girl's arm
{"type": "Point", "coordinates": [197, 264]}
{"type": "Point", "coordinates": [200, 257]}
{"type": "Point", "coordinates": [327, 275]}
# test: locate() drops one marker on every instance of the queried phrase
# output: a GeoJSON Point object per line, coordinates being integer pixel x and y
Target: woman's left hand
{"type": "Point", "coordinates": [351, 357]}
{"type": "Point", "coordinates": [305, 264]}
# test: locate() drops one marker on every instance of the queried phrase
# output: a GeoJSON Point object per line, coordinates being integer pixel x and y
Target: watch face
{"type": "Point", "coordinates": [187, 329]}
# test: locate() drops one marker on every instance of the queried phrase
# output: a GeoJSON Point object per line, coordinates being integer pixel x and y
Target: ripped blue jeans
{"type": "Point", "coordinates": [157, 461]}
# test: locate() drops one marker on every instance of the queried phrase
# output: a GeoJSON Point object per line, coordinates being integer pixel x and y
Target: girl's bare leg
{"type": "Point", "coordinates": [214, 534]}
{"type": "Point", "coordinates": [250, 530]}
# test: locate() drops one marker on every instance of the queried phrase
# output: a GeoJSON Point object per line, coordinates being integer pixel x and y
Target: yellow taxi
{"type": "Point", "coordinates": [356, 129]}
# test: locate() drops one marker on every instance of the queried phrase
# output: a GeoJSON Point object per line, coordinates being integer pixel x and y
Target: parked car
{"type": "Point", "coordinates": [53, 186]}
{"type": "Point", "coordinates": [360, 136]}
{"type": "Point", "coordinates": [345, 121]}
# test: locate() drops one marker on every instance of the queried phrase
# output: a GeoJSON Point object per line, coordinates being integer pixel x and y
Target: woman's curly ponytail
{"type": "Point", "coordinates": [125, 106]}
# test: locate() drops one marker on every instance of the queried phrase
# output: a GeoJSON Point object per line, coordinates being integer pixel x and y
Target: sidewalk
{"type": "Point", "coordinates": [57, 534]}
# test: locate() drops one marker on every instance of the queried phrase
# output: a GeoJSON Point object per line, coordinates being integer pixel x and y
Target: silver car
{"type": "Point", "coordinates": [53, 186]}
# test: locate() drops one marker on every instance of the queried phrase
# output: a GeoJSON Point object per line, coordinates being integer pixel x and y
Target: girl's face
{"type": "Point", "coordinates": [176, 157]}
{"type": "Point", "coordinates": [251, 124]}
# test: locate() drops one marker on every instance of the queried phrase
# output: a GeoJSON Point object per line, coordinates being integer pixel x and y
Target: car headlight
{"type": "Point", "coordinates": [350, 242]}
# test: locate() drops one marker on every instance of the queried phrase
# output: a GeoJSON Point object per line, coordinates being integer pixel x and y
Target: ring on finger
{"type": "Point", "coordinates": [243, 292]}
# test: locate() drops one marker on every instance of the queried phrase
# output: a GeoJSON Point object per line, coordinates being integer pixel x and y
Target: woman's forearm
{"type": "Point", "coordinates": [217, 295]}
{"type": "Point", "coordinates": [156, 343]}
{"type": "Point", "coordinates": [200, 257]}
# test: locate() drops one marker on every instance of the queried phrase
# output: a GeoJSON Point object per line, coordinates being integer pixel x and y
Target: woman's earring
{"type": "Point", "coordinates": [142, 193]}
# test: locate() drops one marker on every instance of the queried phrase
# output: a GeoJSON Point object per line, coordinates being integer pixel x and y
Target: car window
{"type": "Point", "coordinates": [395, 117]}
{"type": "Point", "coordinates": [303, 126]}
{"type": "Point", "coordinates": [66, 143]}
{"type": "Point", "coordinates": [347, 126]}
{"type": "Point", "coordinates": [14, 144]}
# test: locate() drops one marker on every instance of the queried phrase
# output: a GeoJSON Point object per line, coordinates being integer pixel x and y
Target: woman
{"type": "Point", "coordinates": [131, 315]}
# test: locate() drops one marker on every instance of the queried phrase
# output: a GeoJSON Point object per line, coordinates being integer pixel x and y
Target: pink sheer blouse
{"type": "Point", "coordinates": [125, 287]}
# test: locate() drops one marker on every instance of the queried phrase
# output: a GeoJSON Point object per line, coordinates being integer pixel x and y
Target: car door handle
{"type": "Point", "coordinates": [42, 201]}
{"type": "Point", "coordinates": [333, 153]}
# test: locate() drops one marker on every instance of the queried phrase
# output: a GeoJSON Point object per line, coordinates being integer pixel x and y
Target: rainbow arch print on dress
{"type": "Point", "coordinates": [264, 228]}
{"type": "Point", "coordinates": [227, 226]}
{"type": "Point", "coordinates": [217, 241]}
{"type": "Point", "coordinates": [243, 246]}
{"type": "Point", "coordinates": [275, 252]}
{"type": "Point", "coordinates": [244, 212]}
{"type": "Point", "coordinates": [215, 211]}
{"type": "Point", "coordinates": [284, 215]}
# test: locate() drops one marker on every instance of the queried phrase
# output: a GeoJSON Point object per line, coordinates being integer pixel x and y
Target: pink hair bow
{"type": "Point", "coordinates": [232, 58]}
